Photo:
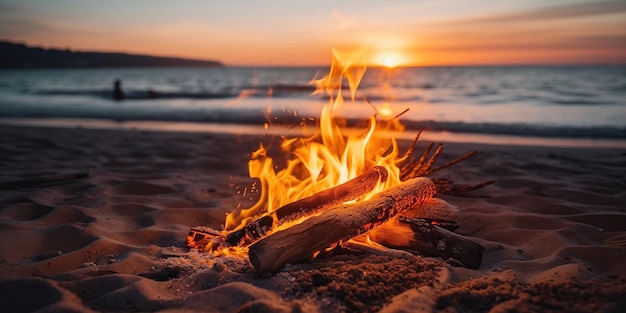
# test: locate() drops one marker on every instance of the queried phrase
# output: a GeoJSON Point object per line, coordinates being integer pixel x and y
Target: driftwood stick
{"type": "Point", "coordinates": [349, 190]}
{"type": "Point", "coordinates": [455, 161]}
{"type": "Point", "coordinates": [42, 180]}
{"type": "Point", "coordinates": [422, 166]}
{"type": "Point", "coordinates": [411, 148]}
{"type": "Point", "coordinates": [426, 168]}
{"type": "Point", "coordinates": [335, 224]}
{"type": "Point", "coordinates": [446, 186]}
{"type": "Point", "coordinates": [420, 236]}
{"type": "Point", "coordinates": [413, 166]}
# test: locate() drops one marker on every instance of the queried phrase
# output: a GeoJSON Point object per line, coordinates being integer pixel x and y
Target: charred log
{"type": "Point", "coordinates": [349, 190]}
{"type": "Point", "coordinates": [338, 223]}
{"type": "Point", "coordinates": [420, 236]}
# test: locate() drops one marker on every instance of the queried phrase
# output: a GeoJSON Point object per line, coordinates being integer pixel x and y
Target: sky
{"type": "Point", "coordinates": [297, 33]}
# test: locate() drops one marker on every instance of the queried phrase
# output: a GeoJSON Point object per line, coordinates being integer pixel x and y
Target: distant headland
{"type": "Point", "coordinates": [18, 55]}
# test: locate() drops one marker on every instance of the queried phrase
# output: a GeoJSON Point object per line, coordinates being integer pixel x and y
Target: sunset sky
{"type": "Point", "coordinates": [275, 32]}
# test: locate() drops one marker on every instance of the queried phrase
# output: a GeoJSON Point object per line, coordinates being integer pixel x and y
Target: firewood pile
{"type": "Point", "coordinates": [405, 217]}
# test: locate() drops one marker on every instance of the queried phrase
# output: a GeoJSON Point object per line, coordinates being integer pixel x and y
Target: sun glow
{"type": "Point", "coordinates": [389, 59]}
{"type": "Point", "coordinates": [390, 62]}
{"type": "Point", "coordinates": [385, 110]}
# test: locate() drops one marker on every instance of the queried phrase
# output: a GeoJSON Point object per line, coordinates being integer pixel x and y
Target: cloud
{"type": "Point", "coordinates": [21, 27]}
{"type": "Point", "coordinates": [552, 28]}
{"type": "Point", "coordinates": [570, 10]}
{"type": "Point", "coordinates": [605, 42]}
{"type": "Point", "coordinates": [27, 27]}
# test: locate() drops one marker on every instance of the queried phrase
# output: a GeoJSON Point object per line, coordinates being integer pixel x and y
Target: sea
{"type": "Point", "coordinates": [552, 105]}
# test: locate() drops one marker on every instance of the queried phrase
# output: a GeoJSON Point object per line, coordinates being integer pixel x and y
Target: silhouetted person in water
{"type": "Point", "coordinates": [118, 94]}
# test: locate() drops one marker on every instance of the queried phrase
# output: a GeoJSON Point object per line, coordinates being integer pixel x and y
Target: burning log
{"type": "Point", "coordinates": [436, 210]}
{"type": "Point", "coordinates": [338, 223]}
{"type": "Point", "coordinates": [349, 190]}
{"type": "Point", "coordinates": [416, 233]}
{"type": "Point", "coordinates": [423, 229]}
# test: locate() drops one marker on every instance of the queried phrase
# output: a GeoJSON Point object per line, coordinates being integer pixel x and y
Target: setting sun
{"type": "Point", "coordinates": [389, 59]}
{"type": "Point", "coordinates": [390, 62]}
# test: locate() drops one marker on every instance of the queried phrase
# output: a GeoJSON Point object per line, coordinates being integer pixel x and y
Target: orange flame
{"type": "Point", "coordinates": [334, 155]}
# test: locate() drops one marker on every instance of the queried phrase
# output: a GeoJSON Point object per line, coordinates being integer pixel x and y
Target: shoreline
{"type": "Point", "coordinates": [277, 130]}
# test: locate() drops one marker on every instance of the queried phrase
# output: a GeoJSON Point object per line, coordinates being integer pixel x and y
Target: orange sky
{"type": "Point", "coordinates": [277, 32]}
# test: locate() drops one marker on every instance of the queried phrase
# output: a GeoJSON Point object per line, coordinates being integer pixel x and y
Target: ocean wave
{"type": "Point", "coordinates": [133, 94]}
{"type": "Point", "coordinates": [290, 118]}
{"type": "Point", "coordinates": [302, 91]}
{"type": "Point", "coordinates": [277, 91]}
{"type": "Point", "coordinates": [529, 130]}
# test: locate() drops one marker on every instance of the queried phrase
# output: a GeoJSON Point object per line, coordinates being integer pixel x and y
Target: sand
{"type": "Point", "coordinates": [554, 229]}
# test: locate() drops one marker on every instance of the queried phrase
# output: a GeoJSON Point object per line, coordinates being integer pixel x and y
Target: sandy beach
{"type": "Point", "coordinates": [553, 228]}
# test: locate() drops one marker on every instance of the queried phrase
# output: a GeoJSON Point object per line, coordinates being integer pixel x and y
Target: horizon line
{"type": "Point", "coordinates": [225, 64]}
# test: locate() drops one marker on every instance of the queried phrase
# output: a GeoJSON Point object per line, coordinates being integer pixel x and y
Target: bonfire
{"type": "Point", "coordinates": [345, 187]}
